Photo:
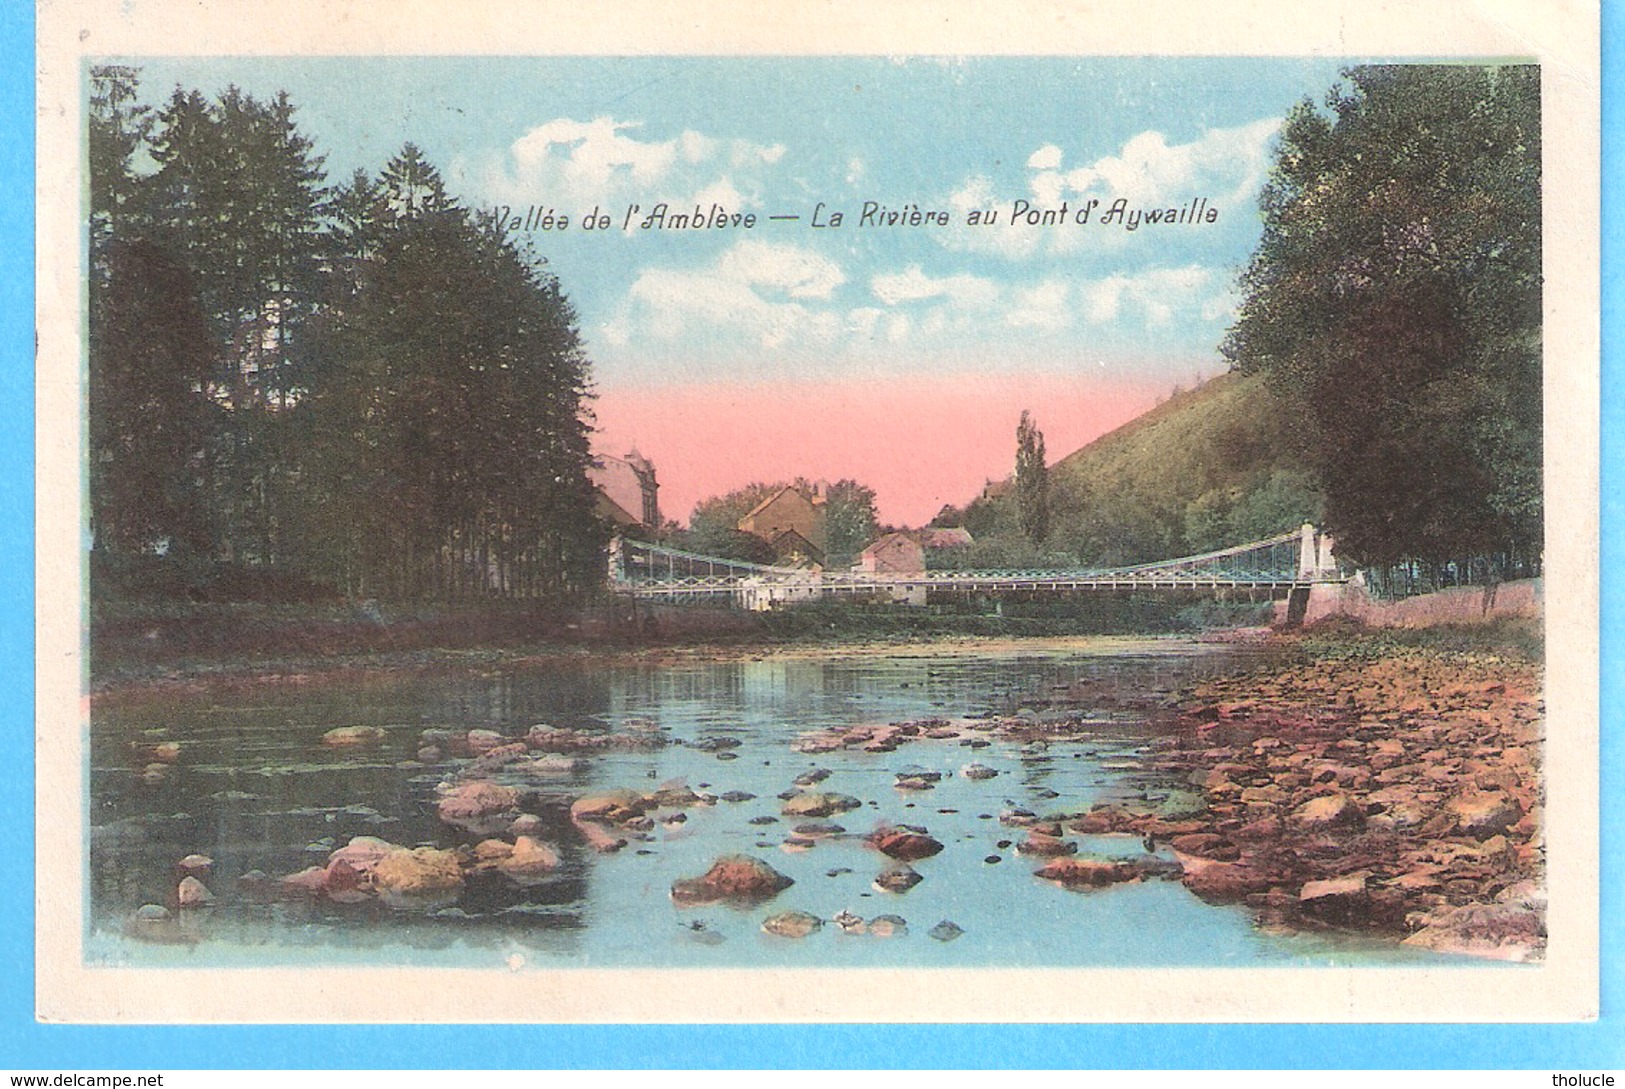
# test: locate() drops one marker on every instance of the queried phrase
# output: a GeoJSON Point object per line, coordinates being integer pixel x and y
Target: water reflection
{"type": "Point", "coordinates": [255, 789]}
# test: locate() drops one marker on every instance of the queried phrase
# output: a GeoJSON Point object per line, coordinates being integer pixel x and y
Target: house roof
{"type": "Point", "coordinates": [950, 537]}
{"type": "Point", "coordinates": [764, 504]}
{"type": "Point", "coordinates": [613, 511]}
{"type": "Point", "coordinates": [770, 500]}
{"type": "Point", "coordinates": [890, 540]}
{"type": "Point", "coordinates": [791, 541]}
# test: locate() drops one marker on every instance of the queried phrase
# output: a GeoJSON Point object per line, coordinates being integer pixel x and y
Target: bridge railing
{"type": "Point", "coordinates": [1287, 559]}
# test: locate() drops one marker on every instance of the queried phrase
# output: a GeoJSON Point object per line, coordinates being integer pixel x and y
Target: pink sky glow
{"type": "Point", "coordinates": [918, 442]}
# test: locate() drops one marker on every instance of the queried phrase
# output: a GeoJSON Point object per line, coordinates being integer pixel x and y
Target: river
{"type": "Point", "coordinates": [254, 788]}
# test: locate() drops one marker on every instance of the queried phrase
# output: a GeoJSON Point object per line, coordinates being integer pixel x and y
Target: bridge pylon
{"type": "Point", "coordinates": [1316, 561]}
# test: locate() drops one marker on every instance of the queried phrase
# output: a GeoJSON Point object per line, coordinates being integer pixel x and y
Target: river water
{"type": "Point", "coordinates": [255, 789]}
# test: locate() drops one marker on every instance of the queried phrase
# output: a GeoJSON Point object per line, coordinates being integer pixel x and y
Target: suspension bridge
{"type": "Point", "coordinates": [1292, 561]}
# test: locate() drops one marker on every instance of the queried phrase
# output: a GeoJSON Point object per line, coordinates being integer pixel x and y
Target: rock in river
{"type": "Point", "coordinates": [1329, 811]}
{"type": "Point", "coordinates": [1340, 900]}
{"type": "Point", "coordinates": [191, 893]}
{"type": "Point", "coordinates": [907, 846]}
{"type": "Point", "coordinates": [481, 807]}
{"type": "Point", "coordinates": [1206, 845]}
{"type": "Point", "coordinates": [1043, 845]}
{"type": "Point", "coordinates": [1483, 814]}
{"type": "Point", "coordinates": [530, 861]}
{"type": "Point", "coordinates": [194, 865]}
{"type": "Point", "coordinates": [897, 879]}
{"type": "Point", "coordinates": [481, 742]}
{"type": "Point", "coordinates": [792, 924]}
{"type": "Point", "coordinates": [1501, 930]}
{"type": "Point", "coordinates": [1086, 872]}
{"type": "Point", "coordinates": [816, 804]}
{"type": "Point", "coordinates": [1227, 882]}
{"type": "Point", "coordinates": [421, 877]}
{"type": "Point", "coordinates": [345, 737]}
{"type": "Point", "coordinates": [362, 853]}
{"type": "Point", "coordinates": [154, 923]}
{"type": "Point", "coordinates": [310, 882]}
{"type": "Point", "coordinates": [732, 877]}
{"type": "Point", "coordinates": [888, 926]}
{"type": "Point", "coordinates": [612, 806]}
{"type": "Point", "coordinates": [526, 824]}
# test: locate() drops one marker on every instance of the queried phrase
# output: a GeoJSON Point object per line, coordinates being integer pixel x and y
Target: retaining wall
{"type": "Point", "coordinates": [1457, 605]}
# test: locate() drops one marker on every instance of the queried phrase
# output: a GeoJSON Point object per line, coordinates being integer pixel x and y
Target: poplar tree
{"type": "Point", "coordinates": [1032, 480]}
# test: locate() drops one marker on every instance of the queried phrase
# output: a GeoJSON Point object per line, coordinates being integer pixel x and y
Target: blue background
{"type": "Point", "coordinates": [25, 1044]}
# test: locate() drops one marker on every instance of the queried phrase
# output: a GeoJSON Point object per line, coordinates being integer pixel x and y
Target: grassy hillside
{"type": "Point", "coordinates": [1210, 467]}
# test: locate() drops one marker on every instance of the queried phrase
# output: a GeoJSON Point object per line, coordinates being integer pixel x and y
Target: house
{"type": "Point", "coordinates": [791, 549]}
{"type": "Point", "coordinates": [788, 509]}
{"type": "Point", "coordinates": [997, 489]}
{"type": "Point", "coordinates": [628, 494]}
{"type": "Point", "coordinates": [893, 554]}
{"type": "Point", "coordinates": [933, 538]}
{"type": "Point", "coordinates": [762, 594]}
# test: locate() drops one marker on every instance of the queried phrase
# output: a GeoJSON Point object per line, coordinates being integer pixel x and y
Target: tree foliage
{"type": "Point", "coordinates": [850, 519]}
{"type": "Point", "coordinates": [148, 424]}
{"type": "Point", "coordinates": [367, 384]}
{"type": "Point", "coordinates": [1396, 297]}
{"type": "Point", "coordinates": [713, 527]}
{"type": "Point", "coordinates": [1032, 480]}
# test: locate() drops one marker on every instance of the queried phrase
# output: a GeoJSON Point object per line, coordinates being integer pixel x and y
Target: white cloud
{"type": "Point", "coordinates": [1102, 299]}
{"type": "Point", "coordinates": [978, 195]}
{"type": "Point", "coordinates": [1046, 307]}
{"type": "Point", "coordinates": [695, 147]}
{"type": "Point", "coordinates": [588, 153]}
{"type": "Point", "coordinates": [572, 165]}
{"type": "Point", "coordinates": [797, 272]}
{"type": "Point", "coordinates": [1048, 188]}
{"type": "Point", "coordinates": [764, 294]}
{"type": "Point", "coordinates": [1157, 295]}
{"type": "Point", "coordinates": [1228, 166]}
{"type": "Point", "coordinates": [759, 306]}
{"type": "Point", "coordinates": [913, 285]}
{"type": "Point", "coordinates": [1047, 157]}
{"type": "Point", "coordinates": [721, 191]}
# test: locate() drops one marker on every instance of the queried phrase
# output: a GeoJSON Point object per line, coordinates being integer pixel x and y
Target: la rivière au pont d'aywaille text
{"type": "Point", "coordinates": [871, 214]}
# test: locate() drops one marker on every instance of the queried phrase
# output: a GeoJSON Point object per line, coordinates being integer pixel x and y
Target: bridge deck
{"type": "Point", "coordinates": [970, 584]}
{"type": "Point", "coordinates": [652, 571]}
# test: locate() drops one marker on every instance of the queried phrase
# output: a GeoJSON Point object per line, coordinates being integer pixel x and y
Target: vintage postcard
{"type": "Point", "coordinates": [1071, 513]}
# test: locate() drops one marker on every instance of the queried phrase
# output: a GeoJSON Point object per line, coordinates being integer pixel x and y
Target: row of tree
{"type": "Point", "coordinates": [365, 385]}
{"type": "Point", "coordinates": [1395, 300]}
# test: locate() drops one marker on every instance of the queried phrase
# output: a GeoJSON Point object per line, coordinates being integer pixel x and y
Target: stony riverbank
{"type": "Point", "coordinates": [1380, 787]}
{"type": "Point", "coordinates": [1386, 784]}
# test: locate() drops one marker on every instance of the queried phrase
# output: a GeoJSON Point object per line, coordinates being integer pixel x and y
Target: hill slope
{"type": "Point", "coordinates": [1211, 467]}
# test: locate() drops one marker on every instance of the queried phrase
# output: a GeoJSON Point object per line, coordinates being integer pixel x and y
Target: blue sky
{"type": "Point", "coordinates": [778, 135]}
